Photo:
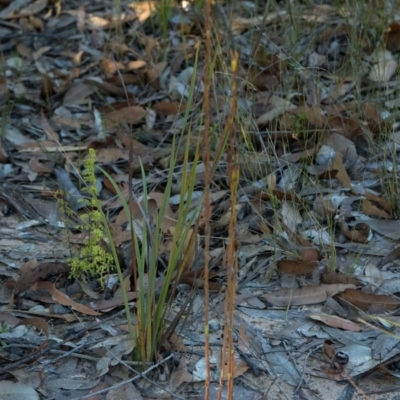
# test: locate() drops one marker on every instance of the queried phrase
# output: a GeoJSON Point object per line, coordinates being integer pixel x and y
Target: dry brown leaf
{"type": "Point", "coordinates": [144, 9]}
{"type": "Point", "coordinates": [168, 107]}
{"type": "Point", "coordinates": [347, 127]}
{"type": "Point", "coordinates": [24, 51]}
{"type": "Point", "coordinates": [305, 295]}
{"type": "Point", "coordinates": [373, 117]}
{"type": "Point", "coordinates": [324, 206]}
{"type": "Point", "coordinates": [180, 375]}
{"type": "Point", "coordinates": [111, 67]}
{"type": "Point", "coordinates": [176, 343]}
{"type": "Point", "coordinates": [341, 144]}
{"type": "Point", "coordinates": [80, 18]}
{"type": "Point", "coordinates": [64, 300]}
{"type": "Point", "coordinates": [48, 147]}
{"type": "Point", "coordinates": [341, 175]}
{"type": "Point", "coordinates": [63, 121]}
{"type": "Point", "coordinates": [384, 203]}
{"type": "Point", "coordinates": [263, 80]}
{"type": "Point", "coordinates": [392, 37]}
{"type": "Point", "coordinates": [308, 252]}
{"type": "Point", "coordinates": [244, 235]}
{"type": "Point", "coordinates": [369, 209]}
{"type": "Point", "coordinates": [9, 319]}
{"type": "Point", "coordinates": [134, 65]}
{"type": "Point", "coordinates": [51, 134]}
{"type": "Point", "coordinates": [370, 302]}
{"type": "Point", "coordinates": [239, 368]}
{"type": "Point", "coordinates": [336, 322]}
{"type": "Point", "coordinates": [112, 303]}
{"type": "Point", "coordinates": [196, 279]}
{"type": "Point", "coordinates": [111, 155]}
{"type": "Point", "coordinates": [108, 88]}
{"type": "Point", "coordinates": [42, 271]}
{"type": "Point", "coordinates": [292, 267]}
{"type": "Point", "coordinates": [393, 255]}
{"type": "Point", "coordinates": [239, 24]}
{"type": "Point", "coordinates": [341, 88]}
{"type": "Point", "coordinates": [373, 276]}
{"type": "Point", "coordinates": [278, 106]}
{"type": "Point", "coordinates": [124, 116]}
{"type": "Point", "coordinates": [359, 234]}
{"type": "Point", "coordinates": [77, 92]}
{"type": "Point", "coordinates": [33, 8]}
{"type": "Point", "coordinates": [154, 72]}
{"type": "Point", "coordinates": [338, 277]}
{"type": "Point", "coordinates": [314, 115]}
{"type": "Point", "coordinates": [36, 166]}
{"type": "Point", "coordinates": [244, 341]}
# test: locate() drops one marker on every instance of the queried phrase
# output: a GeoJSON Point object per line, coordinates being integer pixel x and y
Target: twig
{"type": "Point", "coordinates": [33, 357]}
{"type": "Point", "coordinates": [116, 386]}
{"type": "Point", "coordinates": [145, 377]}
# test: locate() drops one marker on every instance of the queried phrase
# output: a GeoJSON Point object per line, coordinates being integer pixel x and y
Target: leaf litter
{"type": "Point", "coordinates": [317, 206]}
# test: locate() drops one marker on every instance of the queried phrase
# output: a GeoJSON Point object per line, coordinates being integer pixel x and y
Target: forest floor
{"type": "Point", "coordinates": [315, 139]}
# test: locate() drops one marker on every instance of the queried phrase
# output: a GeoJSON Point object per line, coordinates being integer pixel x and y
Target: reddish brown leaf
{"type": "Point", "coordinates": [346, 126]}
{"type": "Point", "coordinates": [358, 234]}
{"type": "Point", "coordinates": [338, 277]}
{"type": "Point", "coordinates": [373, 303]}
{"type": "Point", "coordinates": [385, 204]}
{"type": "Point", "coordinates": [308, 252]}
{"type": "Point", "coordinates": [305, 295]}
{"type": "Point", "coordinates": [111, 67]}
{"type": "Point", "coordinates": [64, 300]}
{"type": "Point", "coordinates": [111, 155]}
{"type": "Point", "coordinates": [168, 107]}
{"type": "Point", "coordinates": [341, 175]}
{"type": "Point", "coordinates": [36, 166]}
{"type": "Point", "coordinates": [369, 209]}
{"type": "Point", "coordinates": [336, 322]}
{"type": "Point", "coordinates": [30, 275]}
{"type": "Point", "coordinates": [292, 267]}
{"type": "Point", "coordinates": [240, 367]}
{"type": "Point", "coordinates": [392, 37]}
{"type": "Point", "coordinates": [128, 115]}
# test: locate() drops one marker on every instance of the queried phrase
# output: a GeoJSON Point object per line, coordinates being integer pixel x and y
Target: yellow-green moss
{"type": "Point", "coordinates": [93, 259]}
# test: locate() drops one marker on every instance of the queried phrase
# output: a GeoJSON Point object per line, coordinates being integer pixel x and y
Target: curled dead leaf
{"type": "Point", "coordinates": [360, 233]}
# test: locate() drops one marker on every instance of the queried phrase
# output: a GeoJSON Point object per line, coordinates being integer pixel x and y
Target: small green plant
{"type": "Point", "coordinates": [165, 10]}
{"type": "Point", "coordinates": [94, 259]}
{"type": "Point", "coordinates": [5, 120]}
{"type": "Point", "coordinates": [3, 329]}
